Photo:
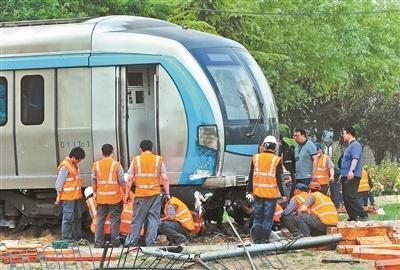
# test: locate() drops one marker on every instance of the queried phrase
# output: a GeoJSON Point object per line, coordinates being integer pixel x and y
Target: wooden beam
{"type": "Point", "coordinates": [348, 249]}
{"type": "Point", "coordinates": [374, 240]}
{"type": "Point", "coordinates": [387, 264]}
{"type": "Point", "coordinates": [376, 254]}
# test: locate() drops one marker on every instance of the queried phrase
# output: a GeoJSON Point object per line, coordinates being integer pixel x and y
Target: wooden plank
{"type": "Point", "coordinates": [374, 240]}
{"type": "Point", "coordinates": [24, 246]}
{"type": "Point", "coordinates": [348, 249]}
{"type": "Point", "coordinates": [387, 264]}
{"type": "Point", "coordinates": [82, 258]}
{"type": "Point", "coordinates": [347, 242]}
{"type": "Point", "coordinates": [376, 254]}
{"type": "Point", "coordinates": [352, 233]}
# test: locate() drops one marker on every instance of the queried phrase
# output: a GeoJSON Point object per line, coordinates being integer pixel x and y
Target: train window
{"type": "Point", "coordinates": [32, 100]}
{"type": "Point", "coordinates": [139, 96]}
{"type": "Point", "coordinates": [135, 78]}
{"type": "Point", "coordinates": [3, 101]}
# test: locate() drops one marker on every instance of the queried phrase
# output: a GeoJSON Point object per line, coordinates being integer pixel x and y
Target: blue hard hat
{"type": "Point", "coordinates": [318, 145]}
{"type": "Point", "coordinates": [301, 186]}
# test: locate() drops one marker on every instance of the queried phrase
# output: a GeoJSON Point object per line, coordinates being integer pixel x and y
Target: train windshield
{"type": "Point", "coordinates": [237, 92]}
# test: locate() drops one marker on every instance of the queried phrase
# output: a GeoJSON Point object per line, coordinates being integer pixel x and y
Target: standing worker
{"type": "Point", "coordinates": [147, 172]}
{"type": "Point", "coordinates": [306, 158]}
{"type": "Point", "coordinates": [350, 175]}
{"type": "Point", "coordinates": [264, 188]}
{"type": "Point", "coordinates": [107, 182]}
{"type": "Point", "coordinates": [318, 212]}
{"type": "Point", "coordinates": [325, 170]}
{"type": "Point", "coordinates": [364, 189]}
{"type": "Point", "coordinates": [177, 221]}
{"type": "Point", "coordinates": [69, 195]}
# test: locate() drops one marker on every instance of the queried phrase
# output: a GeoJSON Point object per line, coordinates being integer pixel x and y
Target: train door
{"type": "Point", "coordinates": [35, 122]}
{"type": "Point", "coordinates": [140, 81]}
{"type": "Point", "coordinates": [7, 155]}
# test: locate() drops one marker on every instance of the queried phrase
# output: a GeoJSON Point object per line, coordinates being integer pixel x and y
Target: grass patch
{"type": "Point", "coordinates": [307, 253]}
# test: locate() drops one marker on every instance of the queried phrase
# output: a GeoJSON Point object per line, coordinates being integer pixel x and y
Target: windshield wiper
{"type": "Point", "coordinates": [260, 116]}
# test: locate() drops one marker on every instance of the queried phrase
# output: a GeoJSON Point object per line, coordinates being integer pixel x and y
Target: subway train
{"type": "Point", "coordinates": [200, 98]}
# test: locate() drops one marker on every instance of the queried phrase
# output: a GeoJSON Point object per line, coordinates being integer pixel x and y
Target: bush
{"type": "Point", "coordinates": [385, 178]}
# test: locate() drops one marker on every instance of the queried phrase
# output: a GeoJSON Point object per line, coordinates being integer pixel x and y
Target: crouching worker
{"type": "Point", "coordinates": [322, 213]}
{"type": "Point", "coordinates": [177, 221]}
{"type": "Point", "coordinates": [289, 215]}
{"type": "Point", "coordinates": [107, 182]}
{"type": "Point", "coordinates": [264, 188]}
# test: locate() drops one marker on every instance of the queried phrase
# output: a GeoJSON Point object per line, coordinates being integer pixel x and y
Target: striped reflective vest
{"type": "Point", "coordinates": [364, 185]}
{"type": "Point", "coordinates": [322, 172]}
{"type": "Point", "coordinates": [73, 184]}
{"type": "Point", "coordinates": [300, 199]}
{"type": "Point", "coordinates": [265, 184]}
{"type": "Point", "coordinates": [278, 213]}
{"type": "Point", "coordinates": [147, 174]}
{"type": "Point", "coordinates": [182, 213]}
{"type": "Point", "coordinates": [108, 188]}
{"type": "Point", "coordinates": [324, 209]}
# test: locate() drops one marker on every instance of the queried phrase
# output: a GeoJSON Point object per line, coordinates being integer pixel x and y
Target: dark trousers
{"type": "Point", "coordinates": [363, 198]}
{"type": "Point", "coordinates": [290, 223]}
{"type": "Point", "coordinates": [324, 189]}
{"type": "Point", "coordinates": [308, 225]}
{"type": "Point", "coordinates": [336, 195]}
{"type": "Point", "coordinates": [350, 198]}
{"type": "Point", "coordinates": [115, 220]}
{"type": "Point", "coordinates": [174, 232]}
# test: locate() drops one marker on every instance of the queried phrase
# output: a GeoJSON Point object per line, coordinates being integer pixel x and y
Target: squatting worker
{"type": "Point", "coordinates": [108, 188]}
{"type": "Point", "coordinates": [69, 194]}
{"type": "Point", "coordinates": [264, 188]}
{"type": "Point", "coordinates": [306, 158]}
{"type": "Point", "coordinates": [147, 172]}
{"type": "Point", "coordinates": [350, 175]}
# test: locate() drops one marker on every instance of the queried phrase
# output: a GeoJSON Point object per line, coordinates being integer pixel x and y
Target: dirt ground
{"type": "Point", "coordinates": [296, 260]}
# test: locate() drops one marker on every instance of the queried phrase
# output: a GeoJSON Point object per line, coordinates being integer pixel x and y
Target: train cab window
{"type": "Point", "coordinates": [135, 78]}
{"type": "Point", "coordinates": [3, 101]}
{"type": "Point", "coordinates": [139, 97]}
{"type": "Point", "coordinates": [32, 100]}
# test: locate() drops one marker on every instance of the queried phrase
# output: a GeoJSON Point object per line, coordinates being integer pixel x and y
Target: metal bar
{"type": "Point", "coordinates": [241, 241]}
{"type": "Point", "coordinates": [43, 22]}
{"type": "Point", "coordinates": [204, 264]}
{"type": "Point", "coordinates": [276, 246]}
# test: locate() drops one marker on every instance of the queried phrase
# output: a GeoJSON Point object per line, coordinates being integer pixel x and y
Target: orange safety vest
{"type": "Point", "coordinates": [364, 185]}
{"type": "Point", "coordinates": [182, 214]}
{"type": "Point", "coordinates": [300, 199]}
{"type": "Point", "coordinates": [108, 188]}
{"type": "Point", "coordinates": [126, 217]}
{"type": "Point", "coordinates": [72, 186]}
{"type": "Point", "coordinates": [264, 180]}
{"type": "Point", "coordinates": [278, 213]}
{"type": "Point", "coordinates": [324, 209]}
{"type": "Point", "coordinates": [147, 174]}
{"type": "Point", "coordinates": [322, 170]}
{"type": "Point", "coordinates": [198, 222]}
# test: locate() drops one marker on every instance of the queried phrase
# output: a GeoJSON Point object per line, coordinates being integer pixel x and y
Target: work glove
{"type": "Point", "coordinates": [250, 197]}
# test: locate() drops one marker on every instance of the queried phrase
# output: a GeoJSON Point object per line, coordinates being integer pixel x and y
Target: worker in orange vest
{"type": "Point", "coordinates": [364, 189]}
{"type": "Point", "coordinates": [126, 214]}
{"type": "Point", "coordinates": [107, 182]}
{"type": "Point", "coordinates": [177, 221]}
{"type": "Point", "coordinates": [317, 213]}
{"type": "Point", "coordinates": [147, 172]}
{"type": "Point", "coordinates": [69, 194]}
{"type": "Point", "coordinates": [325, 170]}
{"type": "Point", "coordinates": [265, 188]}
{"type": "Point", "coordinates": [289, 215]}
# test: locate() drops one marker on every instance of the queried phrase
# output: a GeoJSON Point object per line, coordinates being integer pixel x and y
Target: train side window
{"type": "Point", "coordinates": [3, 101]}
{"type": "Point", "coordinates": [139, 97]}
{"type": "Point", "coordinates": [135, 78]}
{"type": "Point", "coordinates": [32, 100]}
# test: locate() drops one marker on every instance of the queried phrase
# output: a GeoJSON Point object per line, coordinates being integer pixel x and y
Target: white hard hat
{"type": "Point", "coordinates": [270, 139]}
{"type": "Point", "coordinates": [88, 191]}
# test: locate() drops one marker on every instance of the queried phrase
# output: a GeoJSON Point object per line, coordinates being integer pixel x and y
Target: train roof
{"type": "Point", "coordinates": [77, 35]}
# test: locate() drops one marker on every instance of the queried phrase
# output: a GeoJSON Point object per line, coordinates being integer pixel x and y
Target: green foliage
{"type": "Point", "coordinates": [385, 179]}
{"type": "Point", "coordinates": [392, 212]}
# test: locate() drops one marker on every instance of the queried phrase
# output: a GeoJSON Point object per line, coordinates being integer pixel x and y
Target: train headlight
{"type": "Point", "coordinates": [208, 136]}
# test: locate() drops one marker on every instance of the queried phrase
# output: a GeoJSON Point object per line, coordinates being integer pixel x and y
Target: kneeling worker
{"type": "Point", "coordinates": [323, 213]}
{"type": "Point", "coordinates": [177, 221]}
